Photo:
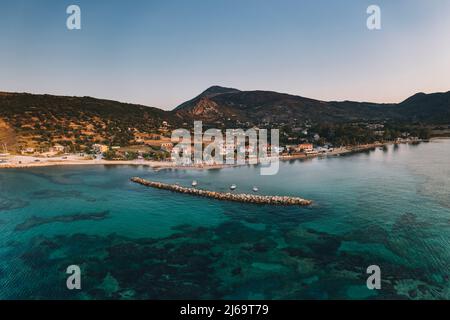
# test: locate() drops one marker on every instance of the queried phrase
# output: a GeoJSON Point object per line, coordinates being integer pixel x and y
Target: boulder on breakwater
{"type": "Point", "coordinates": [228, 196]}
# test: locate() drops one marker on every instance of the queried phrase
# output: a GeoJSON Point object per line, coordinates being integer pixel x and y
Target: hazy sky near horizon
{"type": "Point", "coordinates": [163, 52]}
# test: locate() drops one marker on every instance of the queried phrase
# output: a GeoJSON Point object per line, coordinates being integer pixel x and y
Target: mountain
{"type": "Point", "coordinates": [433, 108]}
{"type": "Point", "coordinates": [217, 103]}
{"type": "Point", "coordinates": [208, 93]}
{"type": "Point", "coordinates": [204, 107]}
{"type": "Point", "coordinates": [31, 119]}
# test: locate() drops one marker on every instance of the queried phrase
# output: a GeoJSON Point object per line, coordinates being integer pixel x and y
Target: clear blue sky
{"type": "Point", "coordinates": [161, 53]}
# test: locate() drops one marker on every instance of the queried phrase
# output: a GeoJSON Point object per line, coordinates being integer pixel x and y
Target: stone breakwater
{"type": "Point", "coordinates": [228, 196]}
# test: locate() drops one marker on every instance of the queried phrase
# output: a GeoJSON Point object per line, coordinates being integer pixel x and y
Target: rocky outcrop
{"type": "Point", "coordinates": [228, 196]}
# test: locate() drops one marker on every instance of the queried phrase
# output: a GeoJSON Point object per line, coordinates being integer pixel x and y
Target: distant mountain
{"type": "Point", "coordinates": [433, 108]}
{"type": "Point", "coordinates": [217, 104]}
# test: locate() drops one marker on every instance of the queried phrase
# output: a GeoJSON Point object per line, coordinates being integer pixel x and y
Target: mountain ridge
{"type": "Point", "coordinates": [41, 120]}
{"type": "Point", "coordinates": [281, 107]}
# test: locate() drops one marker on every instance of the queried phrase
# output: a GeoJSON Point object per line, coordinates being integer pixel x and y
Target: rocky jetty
{"type": "Point", "coordinates": [245, 198]}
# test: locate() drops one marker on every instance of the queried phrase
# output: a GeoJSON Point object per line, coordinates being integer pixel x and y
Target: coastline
{"type": "Point", "coordinates": [440, 138]}
{"type": "Point", "coordinates": [19, 162]}
{"type": "Point", "coordinates": [157, 165]}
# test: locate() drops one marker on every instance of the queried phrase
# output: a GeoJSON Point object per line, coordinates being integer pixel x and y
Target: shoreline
{"type": "Point", "coordinates": [439, 138]}
{"type": "Point", "coordinates": [157, 165]}
{"type": "Point", "coordinates": [30, 162]}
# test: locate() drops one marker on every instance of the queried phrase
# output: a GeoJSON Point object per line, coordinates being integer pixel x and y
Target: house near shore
{"type": "Point", "coordinates": [100, 148]}
{"type": "Point", "coordinates": [312, 153]}
{"type": "Point", "coordinates": [167, 146]}
{"type": "Point", "coordinates": [277, 150]}
{"type": "Point", "coordinates": [322, 150]}
{"type": "Point", "coordinates": [305, 147]}
{"type": "Point", "coordinates": [57, 148]}
{"type": "Point", "coordinates": [28, 150]}
{"type": "Point", "coordinates": [290, 148]}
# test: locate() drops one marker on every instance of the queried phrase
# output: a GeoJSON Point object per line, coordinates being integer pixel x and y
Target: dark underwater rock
{"type": "Point", "coordinates": [54, 194]}
{"type": "Point", "coordinates": [37, 221]}
{"type": "Point", "coordinates": [7, 204]}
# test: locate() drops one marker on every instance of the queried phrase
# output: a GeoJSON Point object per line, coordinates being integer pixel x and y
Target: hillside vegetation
{"type": "Point", "coordinates": [40, 121]}
{"type": "Point", "coordinates": [43, 120]}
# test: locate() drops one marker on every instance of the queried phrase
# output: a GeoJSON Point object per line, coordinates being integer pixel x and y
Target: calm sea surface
{"type": "Point", "coordinates": [389, 208]}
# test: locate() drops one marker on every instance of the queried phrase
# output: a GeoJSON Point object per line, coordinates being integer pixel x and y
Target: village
{"type": "Point", "coordinates": [157, 147]}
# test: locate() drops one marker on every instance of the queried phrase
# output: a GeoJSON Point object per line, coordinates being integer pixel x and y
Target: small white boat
{"type": "Point", "coordinates": [232, 187]}
{"type": "Point", "coordinates": [194, 183]}
{"type": "Point", "coordinates": [255, 189]}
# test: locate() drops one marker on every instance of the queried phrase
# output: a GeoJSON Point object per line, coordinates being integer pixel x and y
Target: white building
{"type": "Point", "coordinates": [100, 148]}
{"type": "Point", "coordinates": [57, 148]}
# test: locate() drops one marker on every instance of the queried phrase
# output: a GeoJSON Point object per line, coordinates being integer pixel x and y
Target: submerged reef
{"type": "Point", "coordinates": [37, 221]}
{"type": "Point", "coordinates": [48, 194]}
{"type": "Point", "coordinates": [12, 204]}
{"type": "Point", "coordinates": [230, 260]}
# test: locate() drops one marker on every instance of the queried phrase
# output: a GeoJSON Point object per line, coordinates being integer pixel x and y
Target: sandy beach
{"type": "Point", "coordinates": [31, 162]}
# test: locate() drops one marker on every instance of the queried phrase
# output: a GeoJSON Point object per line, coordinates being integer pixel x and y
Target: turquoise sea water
{"type": "Point", "coordinates": [385, 207]}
